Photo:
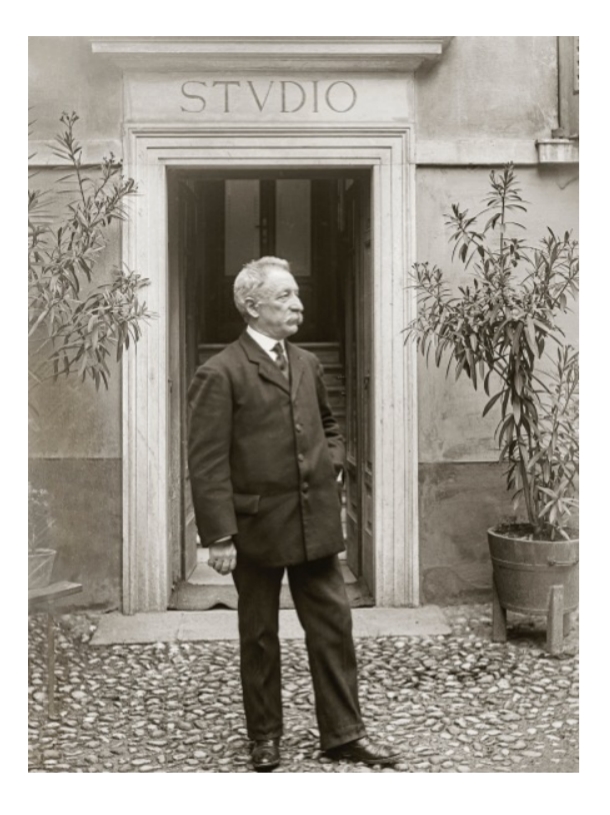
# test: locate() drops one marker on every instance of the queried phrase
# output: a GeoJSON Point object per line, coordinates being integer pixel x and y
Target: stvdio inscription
{"type": "Point", "coordinates": [283, 96]}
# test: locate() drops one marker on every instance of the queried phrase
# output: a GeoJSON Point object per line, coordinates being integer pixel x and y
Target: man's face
{"type": "Point", "coordinates": [278, 311]}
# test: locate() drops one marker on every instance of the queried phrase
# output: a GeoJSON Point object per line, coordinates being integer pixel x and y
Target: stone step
{"type": "Point", "coordinates": [195, 597]}
{"type": "Point", "coordinates": [193, 626]}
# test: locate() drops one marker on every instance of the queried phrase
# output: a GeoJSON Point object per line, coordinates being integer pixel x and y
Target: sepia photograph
{"type": "Point", "coordinates": [303, 404]}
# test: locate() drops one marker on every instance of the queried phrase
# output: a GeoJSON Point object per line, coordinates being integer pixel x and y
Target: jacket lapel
{"type": "Point", "coordinates": [267, 369]}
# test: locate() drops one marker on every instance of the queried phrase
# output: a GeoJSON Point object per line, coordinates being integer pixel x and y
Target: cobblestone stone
{"type": "Point", "coordinates": [457, 703]}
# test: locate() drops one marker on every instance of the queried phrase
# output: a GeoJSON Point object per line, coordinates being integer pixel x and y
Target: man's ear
{"type": "Point", "coordinates": [251, 307]}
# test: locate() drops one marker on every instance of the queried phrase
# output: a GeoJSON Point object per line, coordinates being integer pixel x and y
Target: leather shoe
{"type": "Point", "coordinates": [265, 754]}
{"type": "Point", "coordinates": [366, 751]}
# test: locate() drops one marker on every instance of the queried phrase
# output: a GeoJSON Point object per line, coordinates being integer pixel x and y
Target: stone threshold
{"type": "Point", "coordinates": [221, 624]}
{"type": "Point", "coordinates": [205, 589]}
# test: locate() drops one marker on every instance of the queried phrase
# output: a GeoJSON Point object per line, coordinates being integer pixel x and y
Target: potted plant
{"type": "Point", "coordinates": [503, 332]}
{"type": "Point", "coordinates": [77, 322]}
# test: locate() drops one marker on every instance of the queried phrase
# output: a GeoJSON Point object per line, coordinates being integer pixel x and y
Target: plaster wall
{"type": "Point", "coordinates": [462, 488]}
{"type": "Point", "coordinates": [490, 86]}
{"type": "Point", "coordinates": [450, 423]}
{"type": "Point", "coordinates": [85, 503]}
{"type": "Point", "coordinates": [64, 76]}
{"type": "Point", "coordinates": [75, 451]}
{"type": "Point", "coordinates": [72, 419]}
{"type": "Point", "coordinates": [482, 86]}
{"type": "Point", "coordinates": [484, 89]}
{"type": "Point", "coordinates": [74, 440]}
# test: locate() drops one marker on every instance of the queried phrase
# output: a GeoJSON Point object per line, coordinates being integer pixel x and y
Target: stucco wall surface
{"type": "Point", "coordinates": [490, 86]}
{"type": "Point", "coordinates": [65, 76]}
{"type": "Point", "coordinates": [75, 449]}
{"type": "Point", "coordinates": [457, 504]}
{"type": "Point", "coordinates": [462, 486]}
{"type": "Point", "coordinates": [85, 505]}
{"type": "Point", "coordinates": [495, 88]}
{"type": "Point", "coordinates": [72, 419]}
{"type": "Point", "coordinates": [450, 423]}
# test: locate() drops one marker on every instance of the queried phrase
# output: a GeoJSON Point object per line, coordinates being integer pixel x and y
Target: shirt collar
{"type": "Point", "coordinates": [265, 342]}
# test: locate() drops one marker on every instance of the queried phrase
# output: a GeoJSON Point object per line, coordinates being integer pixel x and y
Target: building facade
{"type": "Point", "coordinates": [343, 155]}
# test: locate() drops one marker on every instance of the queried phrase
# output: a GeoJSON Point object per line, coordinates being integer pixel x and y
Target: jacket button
{"type": "Point", "coordinates": [298, 428]}
{"type": "Point", "coordinates": [301, 457]}
{"type": "Point", "coordinates": [305, 486]}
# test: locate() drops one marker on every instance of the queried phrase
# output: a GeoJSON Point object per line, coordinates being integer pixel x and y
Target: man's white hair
{"type": "Point", "coordinates": [250, 282]}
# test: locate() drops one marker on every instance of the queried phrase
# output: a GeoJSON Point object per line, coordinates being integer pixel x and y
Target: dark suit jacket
{"type": "Point", "coordinates": [264, 454]}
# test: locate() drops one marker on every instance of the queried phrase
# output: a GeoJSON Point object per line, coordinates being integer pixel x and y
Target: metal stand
{"type": "Point", "coordinates": [46, 597]}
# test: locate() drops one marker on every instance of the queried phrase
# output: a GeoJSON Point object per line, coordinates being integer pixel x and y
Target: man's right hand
{"type": "Point", "coordinates": [223, 557]}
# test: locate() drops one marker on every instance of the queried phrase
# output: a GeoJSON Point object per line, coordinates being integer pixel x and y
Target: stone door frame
{"type": "Point", "coordinates": [150, 150]}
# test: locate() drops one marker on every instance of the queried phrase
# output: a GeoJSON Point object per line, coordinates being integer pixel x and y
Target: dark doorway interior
{"type": "Point", "coordinates": [218, 220]}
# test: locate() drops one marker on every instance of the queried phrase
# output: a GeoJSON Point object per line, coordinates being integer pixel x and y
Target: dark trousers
{"type": "Point", "coordinates": [320, 600]}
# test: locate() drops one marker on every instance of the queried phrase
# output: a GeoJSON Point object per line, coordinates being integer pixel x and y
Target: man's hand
{"type": "Point", "coordinates": [223, 557]}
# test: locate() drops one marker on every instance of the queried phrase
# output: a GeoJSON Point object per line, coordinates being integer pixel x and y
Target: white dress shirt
{"type": "Point", "coordinates": [265, 342]}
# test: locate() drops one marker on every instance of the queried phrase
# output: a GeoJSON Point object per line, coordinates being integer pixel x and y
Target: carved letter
{"type": "Point", "coordinates": [193, 96]}
{"type": "Point", "coordinates": [260, 104]}
{"type": "Point", "coordinates": [354, 96]}
{"type": "Point", "coordinates": [285, 82]}
{"type": "Point", "coordinates": [315, 95]}
{"type": "Point", "coordinates": [226, 84]}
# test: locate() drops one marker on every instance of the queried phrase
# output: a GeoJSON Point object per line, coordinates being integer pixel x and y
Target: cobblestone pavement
{"type": "Point", "coordinates": [457, 703]}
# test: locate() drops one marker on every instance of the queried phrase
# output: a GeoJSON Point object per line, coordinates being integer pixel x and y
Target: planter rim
{"type": "Point", "coordinates": [492, 531]}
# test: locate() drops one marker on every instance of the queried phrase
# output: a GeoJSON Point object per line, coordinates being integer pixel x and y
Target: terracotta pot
{"type": "Point", "coordinates": [525, 570]}
{"type": "Point", "coordinates": [40, 568]}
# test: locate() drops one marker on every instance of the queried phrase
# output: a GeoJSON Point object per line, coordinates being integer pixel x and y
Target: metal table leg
{"type": "Point", "coordinates": [51, 660]}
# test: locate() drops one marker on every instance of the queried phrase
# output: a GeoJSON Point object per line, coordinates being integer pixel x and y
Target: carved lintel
{"type": "Point", "coordinates": [270, 54]}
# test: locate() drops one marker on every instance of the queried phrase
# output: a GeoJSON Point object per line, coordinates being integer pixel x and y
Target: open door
{"type": "Point", "coordinates": [358, 369]}
{"type": "Point", "coordinates": [184, 257]}
{"type": "Point", "coordinates": [321, 223]}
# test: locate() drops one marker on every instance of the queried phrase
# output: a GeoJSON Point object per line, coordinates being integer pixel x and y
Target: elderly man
{"type": "Point", "coordinates": [264, 455]}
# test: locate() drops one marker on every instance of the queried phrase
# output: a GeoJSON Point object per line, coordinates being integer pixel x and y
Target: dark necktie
{"type": "Point", "coordinates": [281, 361]}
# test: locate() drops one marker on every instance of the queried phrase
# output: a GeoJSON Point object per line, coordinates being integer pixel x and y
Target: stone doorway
{"type": "Point", "coordinates": [320, 222]}
{"type": "Point", "coordinates": [148, 384]}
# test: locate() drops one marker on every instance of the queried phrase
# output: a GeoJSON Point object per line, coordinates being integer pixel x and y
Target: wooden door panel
{"type": "Point", "coordinates": [366, 400]}
{"type": "Point", "coordinates": [350, 284]}
{"type": "Point", "coordinates": [184, 330]}
{"type": "Point", "coordinates": [174, 408]}
{"type": "Point", "coordinates": [358, 355]}
{"type": "Point", "coordinates": [191, 275]}
{"type": "Point", "coordinates": [226, 216]}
